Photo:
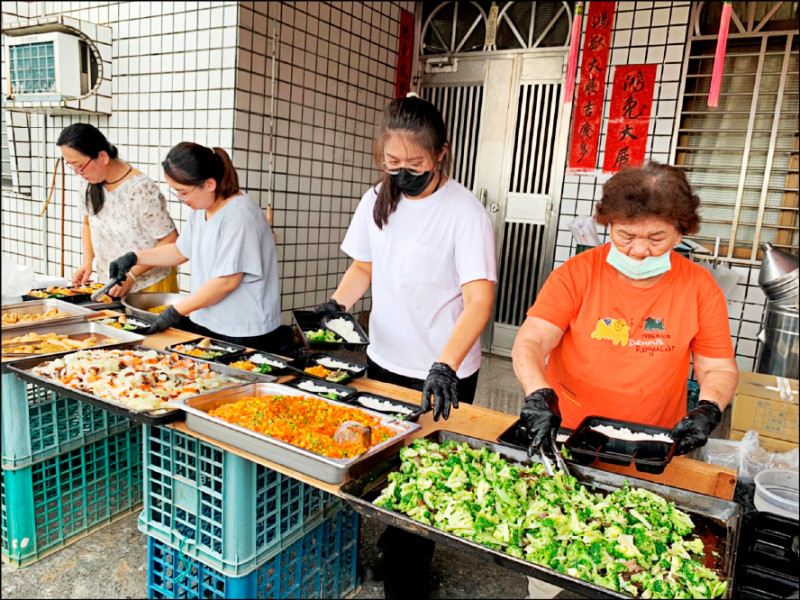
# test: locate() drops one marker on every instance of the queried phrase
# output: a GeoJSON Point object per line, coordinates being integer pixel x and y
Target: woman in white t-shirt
{"type": "Point", "coordinates": [426, 246]}
{"type": "Point", "coordinates": [122, 209]}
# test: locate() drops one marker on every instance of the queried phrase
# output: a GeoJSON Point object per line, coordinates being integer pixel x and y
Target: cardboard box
{"type": "Point", "coordinates": [758, 405]}
{"type": "Point", "coordinates": [769, 444]}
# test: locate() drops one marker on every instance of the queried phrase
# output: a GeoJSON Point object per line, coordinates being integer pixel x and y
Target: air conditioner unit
{"type": "Point", "coordinates": [49, 67]}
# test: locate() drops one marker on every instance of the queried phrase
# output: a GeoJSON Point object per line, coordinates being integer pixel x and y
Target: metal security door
{"type": "Point", "coordinates": [508, 129]}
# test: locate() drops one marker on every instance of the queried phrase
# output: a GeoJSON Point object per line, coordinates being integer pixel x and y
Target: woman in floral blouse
{"type": "Point", "coordinates": [122, 209]}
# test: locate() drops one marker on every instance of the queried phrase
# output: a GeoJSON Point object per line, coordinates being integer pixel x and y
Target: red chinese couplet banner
{"type": "Point", "coordinates": [629, 116]}
{"type": "Point", "coordinates": [588, 111]}
{"type": "Point", "coordinates": [405, 50]}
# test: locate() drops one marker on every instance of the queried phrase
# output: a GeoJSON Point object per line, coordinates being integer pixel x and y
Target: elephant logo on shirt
{"type": "Point", "coordinates": [613, 330]}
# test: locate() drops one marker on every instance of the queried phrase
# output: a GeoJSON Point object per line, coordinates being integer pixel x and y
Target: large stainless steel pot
{"type": "Point", "coordinates": [136, 304]}
{"type": "Point", "coordinates": [778, 354]}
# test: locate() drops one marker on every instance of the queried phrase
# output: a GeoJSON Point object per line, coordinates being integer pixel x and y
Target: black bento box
{"type": "Point", "coordinates": [225, 348]}
{"type": "Point", "coordinates": [397, 409]}
{"type": "Point", "coordinates": [307, 321]}
{"type": "Point", "coordinates": [649, 456]}
{"type": "Point", "coordinates": [342, 392]}
{"type": "Point", "coordinates": [274, 370]}
{"type": "Point", "coordinates": [353, 370]}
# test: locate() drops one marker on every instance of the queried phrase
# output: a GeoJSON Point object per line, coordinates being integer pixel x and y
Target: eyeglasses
{"type": "Point", "coordinates": [185, 196]}
{"type": "Point", "coordinates": [82, 169]}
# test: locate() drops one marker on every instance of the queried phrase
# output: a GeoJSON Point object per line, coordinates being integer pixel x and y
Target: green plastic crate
{"type": "Point", "coordinates": [38, 424]}
{"type": "Point", "coordinates": [55, 502]}
{"type": "Point", "coordinates": [219, 508]}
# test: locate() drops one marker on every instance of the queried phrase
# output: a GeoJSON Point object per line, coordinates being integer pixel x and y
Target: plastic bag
{"type": "Point", "coordinates": [758, 459]}
{"type": "Point", "coordinates": [584, 230]}
{"type": "Point", "coordinates": [746, 457]}
{"type": "Point", "coordinates": [726, 453]}
{"type": "Point", "coordinates": [17, 279]}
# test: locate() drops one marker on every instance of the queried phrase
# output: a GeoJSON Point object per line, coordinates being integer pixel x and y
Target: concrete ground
{"type": "Point", "coordinates": [112, 561]}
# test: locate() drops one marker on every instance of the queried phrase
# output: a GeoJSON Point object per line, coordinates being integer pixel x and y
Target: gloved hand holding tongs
{"type": "Point", "coordinates": [541, 417]}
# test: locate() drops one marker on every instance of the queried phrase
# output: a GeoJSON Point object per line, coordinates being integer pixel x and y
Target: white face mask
{"type": "Point", "coordinates": [650, 266]}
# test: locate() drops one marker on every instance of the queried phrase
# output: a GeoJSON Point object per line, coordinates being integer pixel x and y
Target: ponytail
{"type": "Point", "coordinates": [89, 141]}
{"type": "Point", "coordinates": [229, 184]}
{"type": "Point", "coordinates": [421, 122]}
{"type": "Point", "coordinates": [191, 164]}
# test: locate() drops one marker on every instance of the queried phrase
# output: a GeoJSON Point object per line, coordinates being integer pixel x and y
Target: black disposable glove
{"type": "Point", "coordinates": [442, 383]}
{"type": "Point", "coordinates": [331, 307]}
{"type": "Point", "coordinates": [168, 318]}
{"type": "Point", "coordinates": [692, 431]}
{"type": "Point", "coordinates": [118, 269]}
{"type": "Point", "coordinates": [541, 417]}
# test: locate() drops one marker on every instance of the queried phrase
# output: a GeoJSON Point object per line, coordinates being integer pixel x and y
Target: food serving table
{"type": "Point", "coordinates": [477, 422]}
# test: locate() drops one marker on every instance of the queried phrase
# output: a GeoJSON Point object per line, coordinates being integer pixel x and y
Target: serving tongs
{"type": "Point", "coordinates": [560, 463]}
{"type": "Point", "coordinates": [103, 290]}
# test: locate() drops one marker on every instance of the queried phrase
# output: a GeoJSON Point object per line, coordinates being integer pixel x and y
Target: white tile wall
{"type": "Point", "coordinates": [201, 71]}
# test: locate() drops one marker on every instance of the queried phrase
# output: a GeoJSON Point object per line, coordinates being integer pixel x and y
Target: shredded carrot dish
{"type": "Point", "coordinates": [305, 422]}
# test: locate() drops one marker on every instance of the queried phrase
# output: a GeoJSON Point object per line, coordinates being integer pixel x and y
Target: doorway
{"type": "Point", "coordinates": [508, 128]}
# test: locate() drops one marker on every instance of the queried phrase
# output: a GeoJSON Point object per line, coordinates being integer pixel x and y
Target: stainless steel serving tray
{"type": "Point", "coordinates": [76, 331]}
{"type": "Point", "coordinates": [159, 416]}
{"type": "Point", "coordinates": [76, 313]}
{"type": "Point", "coordinates": [329, 470]}
{"type": "Point", "coordinates": [717, 520]}
{"type": "Point", "coordinates": [136, 304]}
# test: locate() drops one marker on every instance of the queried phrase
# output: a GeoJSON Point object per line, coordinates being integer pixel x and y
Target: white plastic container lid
{"type": "Point", "coordinates": [777, 492]}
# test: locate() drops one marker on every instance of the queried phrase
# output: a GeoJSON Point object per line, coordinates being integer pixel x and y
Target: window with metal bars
{"type": "Point", "coordinates": [6, 154]}
{"type": "Point", "coordinates": [742, 156]}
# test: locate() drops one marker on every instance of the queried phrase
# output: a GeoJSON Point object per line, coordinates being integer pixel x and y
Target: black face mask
{"type": "Point", "coordinates": [411, 185]}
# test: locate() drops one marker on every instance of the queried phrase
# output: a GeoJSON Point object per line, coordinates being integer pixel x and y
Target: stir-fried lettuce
{"type": "Point", "coordinates": [632, 540]}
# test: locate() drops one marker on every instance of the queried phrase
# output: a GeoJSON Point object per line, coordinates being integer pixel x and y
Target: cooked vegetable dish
{"type": "Point", "coordinates": [323, 335]}
{"type": "Point", "coordinates": [246, 365]}
{"type": "Point", "coordinates": [323, 373]}
{"type": "Point", "coordinates": [632, 540]}
{"type": "Point", "coordinates": [305, 422]}
{"type": "Point", "coordinates": [141, 380]}
{"type": "Point", "coordinates": [192, 350]}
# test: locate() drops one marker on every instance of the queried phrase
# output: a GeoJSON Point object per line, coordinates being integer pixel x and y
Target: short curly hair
{"type": "Point", "coordinates": [654, 190]}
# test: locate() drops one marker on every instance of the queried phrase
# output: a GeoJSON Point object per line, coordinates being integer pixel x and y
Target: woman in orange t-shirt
{"type": "Point", "coordinates": [622, 322]}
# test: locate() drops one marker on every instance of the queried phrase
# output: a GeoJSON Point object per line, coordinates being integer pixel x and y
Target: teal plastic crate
{"type": "Point", "coordinates": [220, 509]}
{"type": "Point", "coordinates": [38, 423]}
{"type": "Point", "coordinates": [315, 565]}
{"type": "Point", "coordinates": [52, 503]}
{"type": "Point", "coordinates": [692, 394]}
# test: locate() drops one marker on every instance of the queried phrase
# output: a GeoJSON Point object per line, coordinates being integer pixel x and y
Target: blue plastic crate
{"type": "Point", "coordinates": [52, 503]}
{"type": "Point", "coordinates": [219, 508]}
{"type": "Point", "coordinates": [38, 424]}
{"type": "Point", "coordinates": [299, 571]}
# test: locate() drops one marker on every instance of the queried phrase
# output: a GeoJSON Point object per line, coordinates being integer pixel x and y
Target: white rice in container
{"type": "Point", "coordinates": [316, 389]}
{"type": "Point", "coordinates": [263, 360]}
{"type": "Point", "coordinates": [383, 406]}
{"type": "Point", "coordinates": [330, 363]}
{"type": "Point", "coordinates": [630, 436]}
{"type": "Point", "coordinates": [344, 329]}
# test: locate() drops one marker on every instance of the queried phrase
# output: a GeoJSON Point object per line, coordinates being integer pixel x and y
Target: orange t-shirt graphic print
{"type": "Point", "coordinates": [626, 351]}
